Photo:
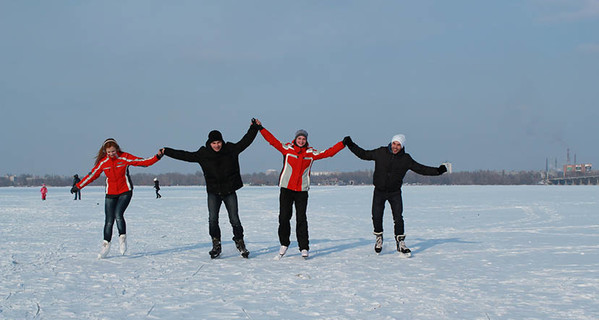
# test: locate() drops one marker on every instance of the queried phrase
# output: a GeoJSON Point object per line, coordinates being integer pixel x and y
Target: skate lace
{"type": "Point", "coordinates": [403, 247]}
{"type": "Point", "coordinates": [379, 241]}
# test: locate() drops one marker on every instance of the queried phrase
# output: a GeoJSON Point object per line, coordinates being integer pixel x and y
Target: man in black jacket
{"type": "Point", "coordinates": [220, 164]}
{"type": "Point", "coordinates": [391, 163]}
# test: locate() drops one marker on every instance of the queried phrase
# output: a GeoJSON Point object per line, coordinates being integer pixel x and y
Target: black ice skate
{"type": "Point", "coordinates": [378, 245]}
{"type": "Point", "coordinates": [216, 248]}
{"type": "Point", "coordinates": [403, 250]}
{"type": "Point", "coordinates": [240, 244]}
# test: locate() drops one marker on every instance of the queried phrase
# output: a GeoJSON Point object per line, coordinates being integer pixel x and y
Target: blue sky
{"type": "Point", "coordinates": [499, 85]}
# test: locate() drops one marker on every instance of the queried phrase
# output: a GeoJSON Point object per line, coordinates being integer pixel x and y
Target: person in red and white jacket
{"type": "Point", "coordinates": [114, 163]}
{"type": "Point", "coordinates": [294, 181]}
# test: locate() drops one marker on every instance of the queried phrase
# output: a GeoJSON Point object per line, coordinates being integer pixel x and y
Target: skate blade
{"type": "Point", "coordinates": [405, 255]}
{"type": "Point", "coordinates": [278, 257]}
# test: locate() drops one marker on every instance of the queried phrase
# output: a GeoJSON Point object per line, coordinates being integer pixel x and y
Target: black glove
{"type": "Point", "coordinates": [159, 156]}
{"type": "Point", "coordinates": [442, 169]}
{"type": "Point", "coordinates": [254, 124]}
{"type": "Point", "coordinates": [74, 189]}
{"type": "Point", "coordinates": [347, 141]}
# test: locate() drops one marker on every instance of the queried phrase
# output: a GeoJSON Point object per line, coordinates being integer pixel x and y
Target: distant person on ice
{"type": "Point", "coordinates": [44, 191]}
{"type": "Point", "coordinates": [391, 163]}
{"type": "Point", "coordinates": [75, 181]}
{"type": "Point", "coordinates": [119, 188]}
{"type": "Point", "coordinates": [157, 187]}
{"type": "Point", "coordinates": [298, 157]}
{"type": "Point", "coordinates": [220, 163]}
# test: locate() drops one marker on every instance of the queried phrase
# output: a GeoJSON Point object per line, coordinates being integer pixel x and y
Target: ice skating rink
{"type": "Point", "coordinates": [479, 252]}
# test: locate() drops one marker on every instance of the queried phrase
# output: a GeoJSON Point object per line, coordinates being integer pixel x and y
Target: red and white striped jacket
{"type": "Point", "coordinates": [117, 172]}
{"type": "Point", "coordinates": [298, 161]}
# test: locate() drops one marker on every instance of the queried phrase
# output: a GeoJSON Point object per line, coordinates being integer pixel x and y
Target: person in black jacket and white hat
{"type": "Point", "coordinates": [391, 163]}
{"type": "Point", "coordinates": [220, 163]}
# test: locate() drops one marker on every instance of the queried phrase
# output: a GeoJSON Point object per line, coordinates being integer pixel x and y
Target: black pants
{"type": "Point", "coordinates": [378, 206]}
{"type": "Point", "coordinates": [286, 200]}
{"type": "Point", "coordinates": [77, 194]}
{"type": "Point", "coordinates": [114, 209]}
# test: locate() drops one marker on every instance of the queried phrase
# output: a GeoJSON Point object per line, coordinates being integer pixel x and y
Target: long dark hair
{"type": "Point", "coordinates": [110, 142]}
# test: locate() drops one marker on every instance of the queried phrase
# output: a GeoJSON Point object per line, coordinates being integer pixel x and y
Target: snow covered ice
{"type": "Point", "coordinates": [492, 252]}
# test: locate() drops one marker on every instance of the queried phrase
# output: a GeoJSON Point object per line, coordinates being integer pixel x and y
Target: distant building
{"type": "Point", "coordinates": [577, 168]}
{"type": "Point", "coordinates": [322, 173]}
{"type": "Point", "coordinates": [448, 166]}
{"type": "Point", "coordinates": [271, 172]}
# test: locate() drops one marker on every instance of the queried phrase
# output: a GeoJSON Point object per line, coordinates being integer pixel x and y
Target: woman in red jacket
{"type": "Point", "coordinates": [119, 189]}
{"type": "Point", "coordinates": [294, 181]}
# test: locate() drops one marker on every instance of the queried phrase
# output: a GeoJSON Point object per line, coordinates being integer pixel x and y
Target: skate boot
{"type": "Point", "coordinates": [240, 244]}
{"type": "Point", "coordinates": [282, 252]}
{"type": "Point", "coordinates": [401, 246]}
{"type": "Point", "coordinates": [105, 250]}
{"type": "Point", "coordinates": [305, 253]}
{"type": "Point", "coordinates": [123, 243]}
{"type": "Point", "coordinates": [378, 245]}
{"type": "Point", "coordinates": [216, 248]}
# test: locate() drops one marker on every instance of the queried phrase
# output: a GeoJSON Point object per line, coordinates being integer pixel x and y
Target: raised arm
{"type": "Point", "coordinates": [139, 162]}
{"type": "Point", "coordinates": [330, 151]}
{"type": "Point", "coordinates": [182, 155]}
{"type": "Point", "coordinates": [359, 152]}
{"type": "Point", "coordinates": [426, 170]}
{"type": "Point", "coordinates": [272, 140]}
{"type": "Point", "coordinates": [248, 138]}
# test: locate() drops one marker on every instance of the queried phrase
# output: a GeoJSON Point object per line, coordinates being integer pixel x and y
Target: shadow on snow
{"type": "Point", "coordinates": [326, 247]}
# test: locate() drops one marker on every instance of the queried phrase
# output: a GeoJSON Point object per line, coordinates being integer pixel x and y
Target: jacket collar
{"type": "Point", "coordinates": [299, 149]}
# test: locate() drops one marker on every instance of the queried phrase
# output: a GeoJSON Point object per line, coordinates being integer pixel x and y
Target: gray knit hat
{"type": "Point", "coordinates": [301, 132]}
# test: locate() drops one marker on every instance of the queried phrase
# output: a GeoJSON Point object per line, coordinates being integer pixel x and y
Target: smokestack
{"type": "Point", "coordinates": [568, 156]}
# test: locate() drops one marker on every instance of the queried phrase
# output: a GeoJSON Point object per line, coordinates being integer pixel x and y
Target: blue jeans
{"type": "Point", "coordinates": [114, 209]}
{"type": "Point", "coordinates": [214, 203]}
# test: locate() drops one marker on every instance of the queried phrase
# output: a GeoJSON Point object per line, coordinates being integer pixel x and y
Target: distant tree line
{"type": "Point", "coordinates": [482, 177]}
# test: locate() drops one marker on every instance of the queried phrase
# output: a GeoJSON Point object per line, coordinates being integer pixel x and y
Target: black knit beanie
{"type": "Point", "coordinates": [214, 135]}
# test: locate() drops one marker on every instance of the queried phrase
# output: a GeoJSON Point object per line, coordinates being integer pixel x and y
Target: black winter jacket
{"type": "Point", "coordinates": [389, 168]}
{"type": "Point", "coordinates": [76, 181]}
{"type": "Point", "coordinates": [221, 169]}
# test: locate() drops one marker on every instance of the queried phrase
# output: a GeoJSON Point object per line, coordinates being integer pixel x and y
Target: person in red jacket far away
{"type": "Point", "coordinates": [119, 189]}
{"type": "Point", "coordinates": [44, 191]}
{"type": "Point", "coordinates": [298, 157]}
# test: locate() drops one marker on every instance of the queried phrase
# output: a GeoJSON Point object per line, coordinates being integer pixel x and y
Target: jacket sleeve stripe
{"type": "Point", "coordinates": [93, 175]}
